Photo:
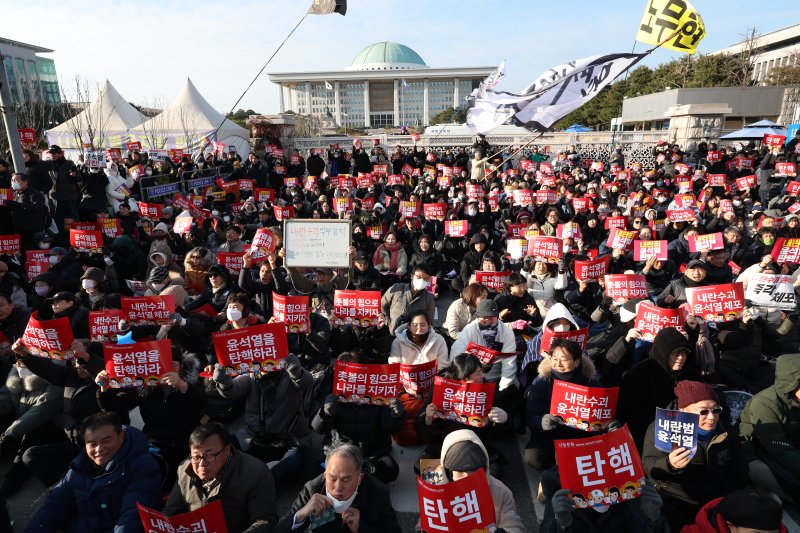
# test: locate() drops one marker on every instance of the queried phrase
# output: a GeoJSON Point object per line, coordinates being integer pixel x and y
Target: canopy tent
{"type": "Point", "coordinates": [188, 123]}
{"type": "Point", "coordinates": [756, 131]}
{"type": "Point", "coordinates": [577, 128]}
{"type": "Point", "coordinates": [104, 123]}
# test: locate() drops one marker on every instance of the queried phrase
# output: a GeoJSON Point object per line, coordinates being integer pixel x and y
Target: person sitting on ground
{"type": "Point", "coordinates": [742, 511]}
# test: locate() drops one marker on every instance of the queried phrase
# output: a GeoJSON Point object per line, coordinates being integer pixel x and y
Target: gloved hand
{"type": "Point", "coordinates": [614, 425]}
{"type": "Point", "coordinates": [293, 366]}
{"type": "Point", "coordinates": [551, 422]}
{"type": "Point", "coordinates": [329, 407]}
{"type": "Point", "coordinates": [562, 265]}
{"type": "Point", "coordinates": [219, 374]}
{"type": "Point", "coordinates": [562, 508]}
{"type": "Point", "coordinates": [396, 407]}
{"type": "Point", "coordinates": [650, 502]}
{"type": "Point", "coordinates": [9, 445]}
{"type": "Point", "coordinates": [497, 415]}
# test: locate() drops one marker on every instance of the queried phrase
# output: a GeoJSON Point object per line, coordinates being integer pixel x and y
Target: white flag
{"type": "Point", "coordinates": [494, 79]}
{"type": "Point", "coordinates": [553, 95]}
{"type": "Point", "coordinates": [328, 86]}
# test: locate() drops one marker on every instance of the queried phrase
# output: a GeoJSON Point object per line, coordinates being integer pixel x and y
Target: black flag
{"type": "Point", "coordinates": [326, 7]}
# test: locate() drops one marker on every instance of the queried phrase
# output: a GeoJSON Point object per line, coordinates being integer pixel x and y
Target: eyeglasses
{"type": "Point", "coordinates": [705, 412]}
{"type": "Point", "coordinates": [561, 360]}
{"type": "Point", "coordinates": [207, 457]}
{"type": "Point", "coordinates": [194, 257]}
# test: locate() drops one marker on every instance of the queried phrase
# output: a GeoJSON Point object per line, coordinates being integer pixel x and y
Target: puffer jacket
{"type": "Point", "coordinates": [195, 277]}
{"type": "Point", "coordinates": [217, 299]}
{"type": "Point", "coordinates": [459, 314]}
{"type": "Point", "coordinates": [30, 400]}
{"type": "Point", "coordinates": [175, 287]}
{"type": "Point", "coordinates": [367, 426]}
{"type": "Point", "coordinates": [503, 371]}
{"type": "Point", "coordinates": [404, 351]}
{"type": "Point", "coordinates": [400, 300]}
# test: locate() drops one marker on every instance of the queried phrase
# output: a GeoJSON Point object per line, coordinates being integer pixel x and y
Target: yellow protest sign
{"type": "Point", "coordinates": [673, 24]}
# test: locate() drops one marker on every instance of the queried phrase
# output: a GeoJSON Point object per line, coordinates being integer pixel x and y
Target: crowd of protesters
{"type": "Point", "coordinates": [238, 438]}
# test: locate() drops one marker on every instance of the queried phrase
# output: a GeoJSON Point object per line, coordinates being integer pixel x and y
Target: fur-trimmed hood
{"type": "Point", "coordinates": [586, 367]}
{"type": "Point", "coordinates": [191, 366]}
{"type": "Point", "coordinates": [17, 384]}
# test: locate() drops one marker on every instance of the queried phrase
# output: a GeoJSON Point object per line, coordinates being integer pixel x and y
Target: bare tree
{"type": "Point", "coordinates": [745, 59]}
{"type": "Point", "coordinates": [190, 125]}
{"type": "Point", "coordinates": [90, 126]}
{"type": "Point", "coordinates": [156, 129]}
{"type": "Point", "coordinates": [307, 126]}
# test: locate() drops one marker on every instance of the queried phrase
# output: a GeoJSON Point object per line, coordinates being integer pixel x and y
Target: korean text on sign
{"type": "Point", "coordinates": [48, 338]}
{"type": "Point", "coordinates": [366, 383]}
{"type": "Point", "coordinates": [358, 308]}
{"type": "Point", "coordinates": [260, 348]}
{"type": "Point", "coordinates": [586, 408]}
{"type": "Point", "coordinates": [417, 380]}
{"type": "Point", "coordinates": [716, 303]}
{"type": "Point", "coordinates": [137, 364]}
{"type": "Point", "coordinates": [650, 319]}
{"type": "Point", "coordinates": [148, 310]}
{"type": "Point", "coordinates": [461, 506]}
{"type": "Point", "coordinates": [676, 429]}
{"type": "Point", "coordinates": [459, 401]}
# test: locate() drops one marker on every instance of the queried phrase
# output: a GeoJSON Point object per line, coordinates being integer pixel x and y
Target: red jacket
{"type": "Point", "coordinates": [709, 521]}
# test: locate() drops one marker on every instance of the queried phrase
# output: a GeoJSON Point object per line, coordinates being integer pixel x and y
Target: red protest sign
{"type": "Point", "coordinates": [545, 248]}
{"type": "Point", "coordinates": [360, 308]}
{"type": "Point", "coordinates": [365, 384]}
{"type": "Point", "coordinates": [786, 251]}
{"type": "Point", "coordinates": [684, 201]}
{"type": "Point", "coordinates": [84, 226]}
{"type": "Point", "coordinates": [591, 269]}
{"type": "Point", "coordinates": [376, 232]}
{"type": "Point", "coordinates": [10, 244]}
{"type": "Point", "coordinates": [86, 241]}
{"type": "Point", "coordinates": [581, 336]}
{"type": "Point", "coordinates": [773, 141]}
{"type": "Point", "coordinates": [48, 338]}
{"type": "Point", "coordinates": [644, 250]}
{"type": "Point", "coordinates": [716, 303]}
{"type": "Point", "coordinates": [261, 194]}
{"type": "Point", "coordinates": [620, 239]}
{"type": "Point", "coordinates": [746, 182]}
{"type": "Point", "coordinates": [292, 311]}
{"type": "Point", "coordinates": [582, 203]}
{"type": "Point", "coordinates": [264, 243]}
{"type": "Point", "coordinates": [704, 243]}
{"type": "Point", "coordinates": [283, 212]}
{"type": "Point", "coordinates": [621, 287]}
{"type": "Point", "coordinates": [342, 205]}
{"type": "Point", "coordinates": [394, 179]}
{"type": "Point", "coordinates": [494, 281]}
{"type": "Point", "coordinates": [717, 180]}
{"type": "Point", "coordinates": [34, 268]}
{"type": "Point", "coordinates": [434, 211]}
{"type": "Point", "coordinates": [586, 408]}
{"type": "Point", "coordinates": [569, 230]}
{"type": "Point", "coordinates": [460, 401]}
{"type": "Point", "coordinates": [417, 380]}
{"type": "Point", "coordinates": [208, 518]}
{"type": "Point", "coordinates": [134, 146]}
{"type": "Point", "coordinates": [601, 470]}
{"type": "Point", "coordinates": [233, 261]}
{"type": "Point", "coordinates": [6, 195]}
{"type": "Point", "coordinates": [523, 197]}
{"type": "Point", "coordinates": [680, 215]}
{"type": "Point", "coordinates": [474, 191]}
{"type": "Point", "coordinates": [463, 506]}
{"type": "Point", "coordinates": [409, 209]}
{"type": "Point", "coordinates": [148, 310]}
{"type": "Point", "coordinates": [486, 355]}
{"type": "Point", "coordinates": [546, 197]}
{"type": "Point", "coordinates": [111, 227]}
{"type": "Point", "coordinates": [152, 211]}
{"type": "Point", "coordinates": [260, 348]}
{"type": "Point", "coordinates": [137, 364]}
{"type": "Point", "coordinates": [786, 169]}
{"type": "Point", "coordinates": [650, 319]}
{"type": "Point", "coordinates": [182, 224]}
{"type": "Point", "coordinates": [27, 135]}
{"type": "Point", "coordinates": [515, 230]}
{"type": "Point", "coordinates": [714, 156]}
{"type": "Point", "coordinates": [456, 228]}
{"type": "Point", "coordinates": [104, 325]}
{"type": "Point", "coordinates": [615, 222]}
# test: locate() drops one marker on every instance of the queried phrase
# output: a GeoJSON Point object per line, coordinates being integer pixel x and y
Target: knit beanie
{"type": "Point", "coordinates": [464, 456]}
{"type": "Point", "coordinates": [689, 392]}
{"type": "Point", "coordinates": [746, 508]}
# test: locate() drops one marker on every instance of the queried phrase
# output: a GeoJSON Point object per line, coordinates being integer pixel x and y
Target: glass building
{"type": "Point", "coordinates": [387, 84]}
{"type": "Point", "coordinates": [30, 75]}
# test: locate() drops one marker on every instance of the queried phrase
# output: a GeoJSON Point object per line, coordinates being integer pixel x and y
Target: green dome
{"type": "Point", "coordinates": [387, 56]}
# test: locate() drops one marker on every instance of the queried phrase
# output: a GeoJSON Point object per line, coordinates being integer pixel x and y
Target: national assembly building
{"type": "Point", "coordinates": [387, 84]}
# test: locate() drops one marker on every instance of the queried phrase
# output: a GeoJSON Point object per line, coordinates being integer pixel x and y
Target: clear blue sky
{"type": "Point", "coordinates": [148, 48]}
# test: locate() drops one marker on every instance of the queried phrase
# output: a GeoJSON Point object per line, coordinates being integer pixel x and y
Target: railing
{"type": "Point", "coordinates": [184, 183]}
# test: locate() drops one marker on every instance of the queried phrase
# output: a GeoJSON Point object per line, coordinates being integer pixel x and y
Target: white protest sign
{"type": "Point", "coordinates": [94, 159]}
{"type": "Point", "coordinates": [317, 243]}
{"type": "Point", "coordinates": [771, 290]}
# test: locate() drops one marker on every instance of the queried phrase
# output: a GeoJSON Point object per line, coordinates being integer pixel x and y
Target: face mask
{"type": "Point", "coordinates": [215, 213]}
{"type": "Point", "coordinates": [87, 284]}
{"type": "Point", "coordinates": [472, 211]}
{"type": "Point", "coordinates": [566, 248]}
{"type": "Point", "coordinates": [16, 185]}
{"type": "Point", "coordinates": [53, 259]}
{"type": "Point", "coordinates": [108, 261]}
{"type": "Point", "coordinates": [560, 328]}
{"type": "Point", "coordinates": [419, 284]}
{"type": "Point", "coordinates": [233, 314]}
{"type": "Point", "coordinates": [340, 506]}
{"type": "Point", "coordinates": [661, 199]}
{"type": "Point", "coordinates": [148, 172]}
{"type": "Point", "coordinates": [42, 290]}
{"type": "Point", "coordinates": [44, 245]}
{"type": "Point", "coordinates": [24, 372]}
{"type": "Point", "coordinates": [737, 203]}
{"type": "Point", "coordinates": [768, 240]}
{"type": "Point", "coordinates": [486, 327]}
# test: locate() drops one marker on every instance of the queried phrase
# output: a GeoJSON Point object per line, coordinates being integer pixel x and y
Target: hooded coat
{"type": "Point", "coordinates": [473, 260]}
{"type": "Point", "coordinates": [504, 371]}
{"type": "Point", "coordinates": [30, 400]}
{"type": "Point", "coordinates": [404, 351]}
{"type": "Point", "coordinates": [195, 275]}
{"type": "Point", "coordinates": [709, 520]}
{"type": "Point", "coordinates": [533, 351]}
{"type": "Point", "coordinates": [217, 299]}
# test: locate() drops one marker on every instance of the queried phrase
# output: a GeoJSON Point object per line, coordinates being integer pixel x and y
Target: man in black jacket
{"type": "Point", "coordinates": [66, 184]}
{"type": "Point", "coordinates": [28, 209]}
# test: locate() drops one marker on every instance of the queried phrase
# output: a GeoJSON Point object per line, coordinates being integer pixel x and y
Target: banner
{"type": "Point", "coordinates": [486, 355]}
{"type": "Point", "coordinates": [86, 241]}
{"type": "Point", "coordinates": [494, 281]}
{"type": "Point", "coordinates": [545, 248]}
{"type": "Point", "coordinates": [435, 211]}
{"type": "Point", "coordinates": [460, 401]}
{"type": "Point", "coordinates": [623, 287]}
{"type": "Point", "coordinates": [292, 311]}
{"type": "Point", "coordinates": [644, 250]}
{"type": "Point", "coordinates": [260, 348]}
{"type": "Point", "coordinates": [10, 244]}
{"type": "Point", "coordinates": [359, 308]}
{"type": "Point", "coordinates": [137, 364]}
{"type": "Point", "coordinates": [206, 519]}
{"type": "Point", "coordinates": [601, 470]}
{"type": "Point", "coordinates": [366, 384]}
{"type": "Point", "coordinates": [417, 380]}
{"type": "Point", "coordinates": [716, 303]}
{"type": "Point", "coordinates": [592, 268]}
{"type": "Point", "coordinates": [48, 338]}
{"type": "Point", "coordinates": [586, 408]}
{"type": "Point", "coordinates": [264, 243]}
{"type": "Point", "coordinates": [677, 23]}
{"type": "Point", "coordinates": [620, 239]}
{"type": "Point", "coordinates": [786, 251]}
{"type": "Point", "coordinates": [104, 325]}
{"type": "Point", "coordinates": [650, 319]}
{"type": "Point", "coordinates": [148, 310]}
{"type": "Point", "coordinates": [581, 336]}
{"type": "Point", "coordinates": [463, 506]}
{"type": "Point", "coordinates": [676, 429]}
{"type": "Point", "coordinates": [704, 243]}
{"type": "Point", "coordinates": [771, 290]}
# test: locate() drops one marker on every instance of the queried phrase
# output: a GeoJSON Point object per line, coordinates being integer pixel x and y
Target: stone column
{"type": "Point", "coordinates": [426, 112]}
{"type": "Point", "coordinates": [337, 103]}
{"type": "Point", "coordinates": [308, 98]}
{"type": "Point", "coordinates": [366, 104]}
{"type": "Point", "coordinates": [280, 92]}
{"type": "Point", "coordinates": [396, 102]}
{"type": "Point", "coordinates": [456, 96]}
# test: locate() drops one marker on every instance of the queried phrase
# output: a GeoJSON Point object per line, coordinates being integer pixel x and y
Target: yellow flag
{"type": "Point", "coordinates": [673, 24]}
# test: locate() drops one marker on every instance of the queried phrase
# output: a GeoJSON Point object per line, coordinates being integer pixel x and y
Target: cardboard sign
{"type": "Point", "coordinates": [486, 355]}
{"type": "Point", "coordinates": [716, 303]}
{"type": "Point", "coordinates": [261, 348]}
{"type": "Point", "coordinates": [233, 261]}
{"type": "Point", "coordinates": [773, 141]}
{"type": "Point", "coordinates": [586, 408]}
{"type": "Point", "coordinates": [704, 243]}
{"type": "Point", "coordinates": [650, 319]}
{"type": "Point", "coordinates": [623, 287]}
{"type": "Point", "coordinates": [620, 239]}
{"type": "Point", "coordinates": [680, 215]}
{"type": "Point", "coordinates": [206, 519]}
{"type": "Point", "coordinates": [786, 169]}
{"type": "Point", "coordinates": [456, 228]}
{"type": "Point", "coordinates": [417, 380]}
{"type": "Point", "coordinates": [602, 470]}
{"type": "Point", "coordinates": [137, 365]}
{"type": "Point", "coordinates": [48, 338]}
{"type": "Point", "coordinates": [366, 384]}
{"type": "Point", "coordinates": [746, 182]}
{"type": "Point", "coordinates": [10, 244]}
{"type": "Point", "coordinates": [358, 308]}
{"type": "Point", "coordinates": [591, 269]}
{"type": "Point", "coordinates": [463, 506]}
{"type": "Point", "coordinates": [104, 325]}
{"type": "Point", "coordinates": [292, 311]}
{"type": "Point", "coordinates": [676, 429]}
{"type": "Point", "coordinates": [148, 310]}
{"type": "Point", "coordinates": [771, 290]}
{"type": "Point", "coordinates": [581, 336]}
{"type": "Point", "coordinates": [86, 241]}
{"type": "Point", "coordinates": [459, 401]}
{"type": "Point", "coordinates": [264, 243]}
{"type": "Point", "coordinates": [545, 248]}
{"type": "Point", "coordinates": [435, 211]}
{"type": "Point", "coordinates": [494, 281]}
{"type": "Point", "coordinates": [409, 209]}
{"type": "Point", "coordinates": [644, 250]}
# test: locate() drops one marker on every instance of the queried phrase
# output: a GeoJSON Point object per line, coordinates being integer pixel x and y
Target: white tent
{"type": "Point", "coordinates": [105, 123]}
{"type": "Point", "coordinates": [188, 122]}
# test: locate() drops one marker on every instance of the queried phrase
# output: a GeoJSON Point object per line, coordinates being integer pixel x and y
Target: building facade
{"type": "Point", "coordinates": [780, 48]}
{"type": "Point", "coordinates": [386, 85]}
{"type": "Point", "coordinates": [31, 76]}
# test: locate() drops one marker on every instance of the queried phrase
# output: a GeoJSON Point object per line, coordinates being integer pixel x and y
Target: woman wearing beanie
{"type": "Point", "coordinates": [686, 482]}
